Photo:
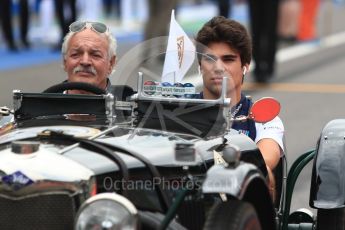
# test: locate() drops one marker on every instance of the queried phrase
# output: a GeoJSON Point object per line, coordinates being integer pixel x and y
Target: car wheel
{"type": "Point", "coordinates": [153, 221]}
{"type": "Point", "coordinates": [331, 219]}
{"type": "Point", "coordinates": [232, 214]}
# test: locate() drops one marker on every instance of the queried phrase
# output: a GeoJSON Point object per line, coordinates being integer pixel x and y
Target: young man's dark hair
{"type": "Point", "coordinates": [221, 29]}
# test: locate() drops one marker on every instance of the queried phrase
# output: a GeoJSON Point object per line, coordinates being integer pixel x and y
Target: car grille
{"type": "Point", "coordinates": [192, 214]}
{"type": "Point", "coordinates": [51, 211]}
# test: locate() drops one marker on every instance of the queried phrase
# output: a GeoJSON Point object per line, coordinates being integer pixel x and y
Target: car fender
{"type": "Point", "coordinates": [327, 189]}
{"type": "Point", "coordinates": [232, 181]}
{"type": "Point", "coordinates": [243, 182]}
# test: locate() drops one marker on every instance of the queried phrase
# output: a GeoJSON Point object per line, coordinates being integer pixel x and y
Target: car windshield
{"type": "Point", "coordinates": [167, 84]}
{"type": "Point", "coordinates": [167, 73]}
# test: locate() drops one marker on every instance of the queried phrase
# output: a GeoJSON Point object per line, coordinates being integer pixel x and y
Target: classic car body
{"type": "Point", "coordinates": [140, 160]}
{"type": "Point", "coordinates": [128, 153]}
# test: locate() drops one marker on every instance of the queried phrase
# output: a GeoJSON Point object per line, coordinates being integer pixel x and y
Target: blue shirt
{"type": "Point", "coordinates": [242, 108]}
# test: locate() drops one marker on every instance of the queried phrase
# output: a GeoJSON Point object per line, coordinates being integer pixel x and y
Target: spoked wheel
{"type": "Point", "coordinates": [232, 215]}
{"type": "Point", "coordinates": [331, 219]}
{"type": "Point", "coordinates": [60, 88]}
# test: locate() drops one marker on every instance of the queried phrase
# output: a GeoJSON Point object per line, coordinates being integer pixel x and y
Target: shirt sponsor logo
{"type": "Point", "coordinates": [245, 132]}
{"type": "Point", "coordinates": [272, 127]}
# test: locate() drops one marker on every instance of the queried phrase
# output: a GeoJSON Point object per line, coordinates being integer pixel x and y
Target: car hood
{"type": "Point", "coordinates": [156, 146]}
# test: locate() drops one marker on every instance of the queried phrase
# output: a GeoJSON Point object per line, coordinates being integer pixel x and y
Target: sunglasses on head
{"type": "Point", "coordinates": [96, 26]}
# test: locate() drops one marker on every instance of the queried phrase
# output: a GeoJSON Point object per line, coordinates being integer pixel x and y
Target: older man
{"type": "Point", "coordinates": [89, 54]}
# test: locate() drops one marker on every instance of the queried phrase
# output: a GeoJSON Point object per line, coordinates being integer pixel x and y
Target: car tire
{"type": "Point", "coordinates": [232, 215]}
{"type": "Point", "coordinates": [153, 221]}
{"type": "Point", "coordinates": [331, 219]}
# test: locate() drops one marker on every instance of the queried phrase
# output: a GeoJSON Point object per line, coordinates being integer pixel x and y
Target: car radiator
{"type": "Point", "coordinates": [52, 210]}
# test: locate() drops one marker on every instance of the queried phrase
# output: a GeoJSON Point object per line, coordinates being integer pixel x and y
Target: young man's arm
{"type": "Point", "coordinates": [269, 140]}
{"type": "Point", "coordinates": [270, 151]}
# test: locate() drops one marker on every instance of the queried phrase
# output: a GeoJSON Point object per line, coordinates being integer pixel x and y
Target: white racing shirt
{"type": "Point", "coordinates": [273, 129]}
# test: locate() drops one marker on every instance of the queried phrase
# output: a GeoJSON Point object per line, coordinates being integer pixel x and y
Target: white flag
{"type": "Point", "coordinates": [180, 53]}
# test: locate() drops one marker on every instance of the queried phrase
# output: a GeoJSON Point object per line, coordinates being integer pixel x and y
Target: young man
{"type": "Point", "coordinates": [227, 44]}
{"type": "Point", "coordinates": [89, 54]}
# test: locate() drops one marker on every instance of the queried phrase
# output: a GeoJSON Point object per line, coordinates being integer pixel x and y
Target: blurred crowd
{"type": "Point", "coordinates": [19, 14]}
{"type": "Point", "coordinates": [270, 21]}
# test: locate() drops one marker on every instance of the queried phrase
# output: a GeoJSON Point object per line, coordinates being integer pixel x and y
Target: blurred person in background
{"type": "Point", "coordinates": [66, 13]}
{"type": "Point", "coordinates": [132, 12]}
{"type": "Point", "coordinates": [110, 5]}
{"type": "Point", "coordinates": [289, 11]}
{"type": "Point", "coordinates": [157, 24]}
{"type": "Point", "coordinates": [224, 7]}
{"type": "Point", "coordinates": [159, 18]}
{"type": "Point", "coordinates": [264, 23]}
{"type": "Point", "coordinates": [307, 20]}
{"type": "Point", "coordinates": [90, 10]}
{"type": "Point", "coordinates": [6, 14]}
{"type": "Point", "coordinates": [46, 19]}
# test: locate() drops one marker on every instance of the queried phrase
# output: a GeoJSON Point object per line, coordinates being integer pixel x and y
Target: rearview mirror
{"type": "Point", "coordinates": [264, 110]}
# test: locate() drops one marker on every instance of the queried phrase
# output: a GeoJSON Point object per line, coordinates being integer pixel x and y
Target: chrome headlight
{"type": "Point", "coordinates": [107, 211]}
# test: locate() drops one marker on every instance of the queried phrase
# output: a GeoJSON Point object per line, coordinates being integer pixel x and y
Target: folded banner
{"type": "Point", "coordinates": [180, 53]}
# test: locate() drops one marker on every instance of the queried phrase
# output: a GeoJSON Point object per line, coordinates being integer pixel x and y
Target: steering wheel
{"type": "Point", "coordinates": [60, 88]}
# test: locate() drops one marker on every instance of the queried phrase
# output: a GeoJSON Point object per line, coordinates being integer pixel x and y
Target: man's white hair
{"type": "Point", "coordinates": [110, 38]}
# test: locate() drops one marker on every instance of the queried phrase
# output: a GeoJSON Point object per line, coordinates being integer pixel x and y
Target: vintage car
{"type": "Point", "coordinates": [152, 158]}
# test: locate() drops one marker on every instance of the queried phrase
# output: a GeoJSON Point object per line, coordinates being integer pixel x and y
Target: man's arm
{"type": "Point", "coordinates": [270, 151]}
{"type": "Point", "coordinates": [269, 139]}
